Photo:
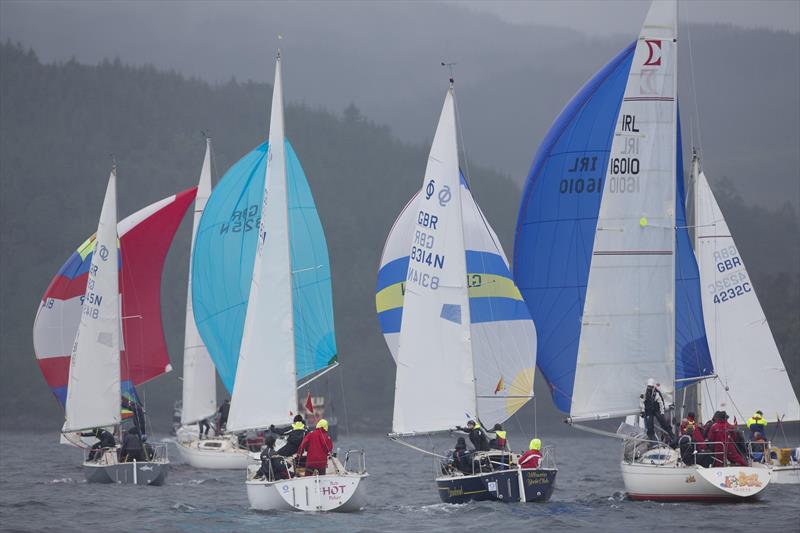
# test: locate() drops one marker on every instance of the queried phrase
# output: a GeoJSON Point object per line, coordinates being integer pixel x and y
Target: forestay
{"type": "Point", "coordinates": [745, 356]}
{"type": "Point", "coordinates": [93, 397]}
{"type": "Point", "coordinates": [199, 381]}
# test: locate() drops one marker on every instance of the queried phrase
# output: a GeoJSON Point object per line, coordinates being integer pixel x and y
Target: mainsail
{"type": "Point", "coordinates": [144, 237]}
{"type": "Point", "coordinates": [501, 334]}
{"type": "Point", "coordinates": [199, 381]}
{"type": "Point", "coordinates": [751, 373]}
{"type": "Point", "coordinates": [223, 270]}
{"type": "Point", "coordinates": [93, 397]}
{"type": "Point", "coordinates": [601, 251]}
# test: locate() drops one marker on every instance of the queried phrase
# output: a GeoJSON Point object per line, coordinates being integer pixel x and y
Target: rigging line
{"type": "Point", "coordinates": [728, 394]}
{"type": "Point", "coordinates": [344, 405]}
{"type": "Point", "coordinates": [417, 448]}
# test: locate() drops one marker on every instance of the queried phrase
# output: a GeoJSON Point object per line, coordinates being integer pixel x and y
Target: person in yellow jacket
{"type": "Point", "coordinates": [757, 424]}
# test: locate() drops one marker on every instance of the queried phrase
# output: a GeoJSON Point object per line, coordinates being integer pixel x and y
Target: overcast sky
{"type": "Point", "coordinates": [583, 15]}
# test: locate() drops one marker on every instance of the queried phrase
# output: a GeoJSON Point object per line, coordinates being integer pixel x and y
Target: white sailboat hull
{"type": "Point", "coordinates": [333, 492]}
{"type": "Point", "coordinates": [786, 475]}
{"type": "Point", "coordinates": [218, 453]}
{"type": "Point", "coordinates": [670, 482]}
{"type": "Point", "coordinates": [108, 469]}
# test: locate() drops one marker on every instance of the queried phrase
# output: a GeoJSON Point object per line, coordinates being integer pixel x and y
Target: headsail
{"type": "Point", "coordinates": [434, 358]}
{"type": "Point", "coordinates": [93, 397]}
{"type": "Point", "coordinates": [745, 356]}
{"type": "Point", "coordinates": [199, 380]}
{"type": "Point", "coordinates": [145, 237]}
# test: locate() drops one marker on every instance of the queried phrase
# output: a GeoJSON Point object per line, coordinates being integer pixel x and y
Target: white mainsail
{"type": "Point", "coordinates": [751, 374]}
{"type": "Point", "coordinates": [199, 379]}
{"type": "Point", "coordinates": [628, 323]}
{"type": "Point", "coordinates": [435, 382]}
{"type": "Point", "coordinates": [93, 396]}
{"type": "Point", "coordinates": [265, 390]}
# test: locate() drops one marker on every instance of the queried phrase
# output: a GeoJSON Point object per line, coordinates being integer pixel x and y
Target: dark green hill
{"type": "Point", "coordinates": [60, 123]}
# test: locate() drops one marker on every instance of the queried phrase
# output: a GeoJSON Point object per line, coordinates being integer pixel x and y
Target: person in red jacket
{"type": "Point", "coordinates": [318, 446]}
{"type": "Point", "coordinates": [720, 433]}
{"type": "Point", "coordinates": [530, 459]}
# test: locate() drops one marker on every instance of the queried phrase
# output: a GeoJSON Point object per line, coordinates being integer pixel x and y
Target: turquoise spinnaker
{"type": "Point", "coordinates": [222, 266]}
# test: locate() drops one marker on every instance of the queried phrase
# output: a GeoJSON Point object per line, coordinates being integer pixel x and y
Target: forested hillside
{"type": "Point", "coordinates": [60, 123]}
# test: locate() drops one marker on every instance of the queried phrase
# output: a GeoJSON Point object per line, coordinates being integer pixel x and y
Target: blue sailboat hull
{"type": "Point", "coordinates": [501, 486]}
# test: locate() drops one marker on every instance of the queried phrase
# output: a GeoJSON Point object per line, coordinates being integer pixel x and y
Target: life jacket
{"type": "Point", "coordinates": [500, 440]}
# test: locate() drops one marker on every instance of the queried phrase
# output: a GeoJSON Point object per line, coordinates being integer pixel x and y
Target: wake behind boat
{"type": "Point", "coordinates": [458, 331]}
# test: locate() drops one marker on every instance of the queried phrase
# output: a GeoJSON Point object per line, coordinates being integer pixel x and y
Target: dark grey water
{"type": "Point", "coordinates": [42, 488]}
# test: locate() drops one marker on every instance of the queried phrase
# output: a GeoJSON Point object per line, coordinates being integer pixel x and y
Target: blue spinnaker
{"type": "Point", "coordinates": [558, 218]}
{"type": "Point", "coordinates": [222, 266]}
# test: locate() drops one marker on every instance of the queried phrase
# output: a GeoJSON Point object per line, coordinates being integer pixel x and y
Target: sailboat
{"type": "Point", "coordinates": [199, 398]}
{"type": "Point", "coordinates": [262, 300]}
{"type": "Point", "coordinates": [739, 337]}
{"type": "Point", "coordinates": [605, 263]}
{"type": "Point", "coordinates": [145, 236]}
{"type": "Point", "coordinates": [457, 327]}
{"type": "Point", "coordinates": [94, 392]}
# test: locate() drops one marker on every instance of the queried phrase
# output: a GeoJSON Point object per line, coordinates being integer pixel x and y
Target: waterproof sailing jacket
{"type": "Point", "coordinates": [318, 446]}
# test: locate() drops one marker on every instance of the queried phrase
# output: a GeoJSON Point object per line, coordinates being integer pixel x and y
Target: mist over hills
{"type": "Point", "coordinates": [512, 78]}
{"type": "Point", "coordinates": [60, 122]}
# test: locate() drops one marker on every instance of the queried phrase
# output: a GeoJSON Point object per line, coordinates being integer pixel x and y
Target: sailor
{"type": "Point", "coordinates": [720, 435]}
{"type": "Point", "coordinates": [105, 440]}
{"type": "Point", "coordinates": [477, 436]}
{"type": "Point", "coordinates": [138, 415]}
{"type": "Point", "coordinates": [318, 446]}
{"type": "Point", "coordinates": [204, 426]}
{"type": "Point", "coordinates": [499, 441]}
{"type": "Point", "coordinates": [756, 423]}
{"type": "Point", "coordinates": [272, 466]}
{"type": "Point", "coordinates": [132, 447]}
{"type": "Point", "coordinates": [530, 459]}
{"type": "Point", "coordinates": [758, 447]}
{"type": "Point", "coordinates": [654, 409]}
{"type": "Point", "coordinates": [294, 436]}
{"type": "Point", "coordinates": [461, 456]}
{"type": "Point", "coordinates": [222, 412]}
{"type": "Point", "coordinates": [692, 450]}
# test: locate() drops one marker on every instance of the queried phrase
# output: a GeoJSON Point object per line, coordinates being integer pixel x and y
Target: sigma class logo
{"type": "Point", "coordinates": [654, 53]}
{"type": "Point", "coordinates": [429, 189]}
{"type": "Point", "coordinates": [103, 252]}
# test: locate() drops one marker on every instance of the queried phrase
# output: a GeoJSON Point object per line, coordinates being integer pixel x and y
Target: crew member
{"type": "Point", "coordinates": [105, 440]}
{"type": "Point", "coordinates": [132, 447]}
{"type": "Point", "coordinates": [654, 409]}
{"type": "Point", "coordinates": [477, 436]}
{"type": "Point", "coordinates": [721, 435]}
{"type": "Point", "coordinates": [499, 441]}
{"type": "Point", "coordinates": [138, 415]}
{"type": "Point", "coordinates": [531, 458]}
{"type": "Point", "coordinates": [222, 412]}
{"type": "Point", "coordinates": [294, 436]}
{"type": "Point", "coordinates": [272, 466]}
{"type": "Point", "coordinates": [461, 456]}
{"type": "Point", "coordinates": [757, 424]}
{"type": "Point", "coordinates": [318, 446]}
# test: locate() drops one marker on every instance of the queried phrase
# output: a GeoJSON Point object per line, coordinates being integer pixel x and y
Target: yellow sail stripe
{"type": "Point", "coordinates": [481, 286]}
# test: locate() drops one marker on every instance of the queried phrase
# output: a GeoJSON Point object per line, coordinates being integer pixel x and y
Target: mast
{"type": "Point", "coordinates": [695, 176]}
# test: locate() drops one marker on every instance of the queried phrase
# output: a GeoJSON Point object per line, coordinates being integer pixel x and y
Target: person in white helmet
{"type": "Point", "coordinates": [654, 409]}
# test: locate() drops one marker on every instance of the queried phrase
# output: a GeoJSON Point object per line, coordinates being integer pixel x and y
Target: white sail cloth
{"type": "Point", "coordinates": [93, 396]}
{"type": "Point", "coordinates": [435, 379]}
{"type": "Point", "coordinates": [750, 370]}
{"type": "Point", "coordinates": [199, 380]}
{"type": "Point", "coordinates": [265, 388]}
{"type": "Point", "coordinates": [628, 323]}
